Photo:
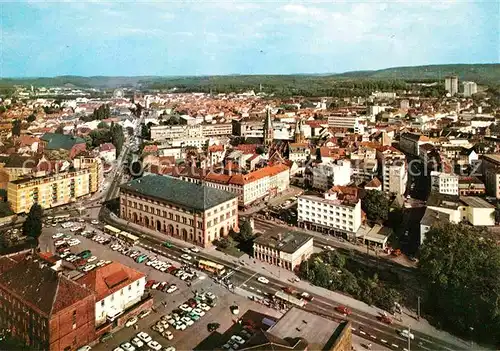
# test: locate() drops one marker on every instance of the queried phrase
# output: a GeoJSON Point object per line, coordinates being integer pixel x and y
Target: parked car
{"type": "Point", "coordinates": [137, 342]}
{"type": "Point", "coordinates": [144, 337]}
{"type": "Point", "coordinates": [263, 280]}
{"type": "Point", "coordinates": [154, 345]}
{"type": "Point", "coordinates": [143, 314]}
{"type": "Point", "coordinates": [131, 321]}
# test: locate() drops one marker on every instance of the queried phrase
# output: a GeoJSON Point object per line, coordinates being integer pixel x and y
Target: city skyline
{"type": "Point", "coordinates": [235, 37]}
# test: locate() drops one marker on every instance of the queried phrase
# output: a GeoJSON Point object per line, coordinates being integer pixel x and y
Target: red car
{"type": "Point", "coordinates": [150, 283]}
{"type": "Point", "coordinates": [384, 319]}
{"type": "Point", "coordinates": [342, 309]}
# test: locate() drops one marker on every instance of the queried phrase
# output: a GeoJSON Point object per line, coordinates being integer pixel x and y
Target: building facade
{"type": "Point", "coordinates": [287, 250]}
{"type": "Point", "coordinates": [491, 171]}
{"type": "Point", "coordinates": [470, 88]}
{"type": "Point", "coordinates": [451, 85]}
{"type": "Point", "coordinates": [337, 212]}
{"type": "Point", "coordinates": [444, 183]}
{"type": "Point", "coordinates": [56, 189]}
{"type": "Point", "coordinates": [324, 176]}
{"type": "Point", "coordinates": [117, 288]}
{"type": "Point", "coordinates": [191, 131]}
{"type": "Point", "coordinates": [195, 213]}
{"type": "Point", "coordinates": [43, 309]}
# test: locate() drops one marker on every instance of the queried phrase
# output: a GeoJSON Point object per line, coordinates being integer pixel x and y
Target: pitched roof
{"type": "Point", "coordinates": [179, 192]}
{"type": "Point", "coordinates": [57, 141]}
{"type": "Point", "coordinates": [107, 147]}
{"type": "Point", "coordinates": [108, 279]}
{"type": "Point", "coordinates": [41, 287]}
{"type": "Point", "coordinates": [374, 183]}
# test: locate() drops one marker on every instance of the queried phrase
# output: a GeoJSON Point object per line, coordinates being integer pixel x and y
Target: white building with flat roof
{"type": "Point", "coordinates": [444, 183]}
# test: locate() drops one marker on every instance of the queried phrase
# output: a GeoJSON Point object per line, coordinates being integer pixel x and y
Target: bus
{"type": "Point", "coordinates": [125, 236]}
{"type": "Point", "coordinates": [111, 230]}
{"type": "Point", "coordinates": [61, 218]}
{"type": "Point", "coordinates": [212, 267]}
{"type": "Point", "coordinates": [290, 299]}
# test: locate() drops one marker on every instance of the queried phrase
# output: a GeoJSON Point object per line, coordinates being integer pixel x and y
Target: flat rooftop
{"type": "Point", "coordinates": [297, 323]}
{"type": "Point", "coordinates": [288, 242]}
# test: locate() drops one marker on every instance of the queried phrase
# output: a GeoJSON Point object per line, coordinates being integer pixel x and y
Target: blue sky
{"type": "Point", "coordinates": [247, 37]}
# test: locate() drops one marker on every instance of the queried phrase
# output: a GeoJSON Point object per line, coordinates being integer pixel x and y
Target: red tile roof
{"type": "Point", "coordinates": [150, 148]}
{"type": "Point", "coordinates": [106, 280]}
{"type": "Point", "coordinates": [216, 148]}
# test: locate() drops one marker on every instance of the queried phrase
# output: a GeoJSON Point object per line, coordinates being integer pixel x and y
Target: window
{"type": "Point", "coordinates": [170, 215]}
{"type": "Point", "coordinates": [74, 319]}
{"type": "Point", "coordinates": [103, 303]}
{"type": "Point", "coordinates": [177, 217]}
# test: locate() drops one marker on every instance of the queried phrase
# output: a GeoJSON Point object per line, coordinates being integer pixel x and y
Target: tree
{"type": "Point", "coordinates": [5, 209]}
{"type": "Point", "coordinates": [246, 231]}
{"type": "Point", "coordinates": [376, 205]}
{"type": "Point", "coordinates": [16, 127]}
{"type": "Point", "coordinates": [102, 125]}
{"type": "Point", "coordinates": [460, 269]}
{"type": "Point", "coordinates": [60, 129]}
{"type": "Point", "coordinates": [130, 131]}
{"type": "Point", "coordinates": [32, 226]}
{"type": "Point", "coordinates": [117, 137]}
{"type": "Point", "coordinates": [31, 118]}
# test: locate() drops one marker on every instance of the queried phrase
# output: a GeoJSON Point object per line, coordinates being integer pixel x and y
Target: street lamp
{"type": "Point", "coordinates": [471, 337]}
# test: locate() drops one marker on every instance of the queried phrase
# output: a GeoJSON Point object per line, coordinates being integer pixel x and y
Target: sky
{"type": "Point", "coordinates": [183, 37]}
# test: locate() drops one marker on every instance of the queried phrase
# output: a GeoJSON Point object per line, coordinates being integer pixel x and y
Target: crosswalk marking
{"type": "Point", "coordinates": [373, 336]}
{"type": "Point", "coordinates": [384, 341]}
{"type": "Point", "coordinates": [394, 345]}
{"type": "Point", "coordinates": [362, 332]}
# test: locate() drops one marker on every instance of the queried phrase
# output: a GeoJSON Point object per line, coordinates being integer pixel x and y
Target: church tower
{"type": "Point", "coordinates": [268, 129]}
{"type": "Point", "coordinates": [299, 133]}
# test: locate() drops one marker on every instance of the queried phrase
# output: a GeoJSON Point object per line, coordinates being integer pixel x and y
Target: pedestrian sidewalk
{"type": "Point", "coordinates": [286, 277]}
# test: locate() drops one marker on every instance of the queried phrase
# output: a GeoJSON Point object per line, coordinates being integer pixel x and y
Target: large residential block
{"type": "Point", "coordinates": [56, 189]}
{"type": "Point", "coordinates": [338, 211]}
{"type": "Point", "coordinates": [195, 213]}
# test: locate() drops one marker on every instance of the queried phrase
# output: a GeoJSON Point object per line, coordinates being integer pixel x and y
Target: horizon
{"type": "Point", "coordinates": [253, 74]}
{"type": "Point", "coordinates": [132, 39]}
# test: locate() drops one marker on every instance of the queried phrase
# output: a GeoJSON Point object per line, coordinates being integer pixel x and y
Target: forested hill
{"type": "Point", "coordinates": [481, 73]}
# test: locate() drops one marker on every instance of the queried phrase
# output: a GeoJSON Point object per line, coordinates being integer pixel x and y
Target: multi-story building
{"type": "Point", "coordinates": [117, 288]}
{"type": "Point", "coordinates": [192, 212]}
{"type": "Point", "coordinates": [249, 187]}
{"type": "Point", "coordinates": [191, 131]}
{"type": "Point", "coordinates": [444, 183]}
{"type": "Point", "coordinates": [55, 189]}
{"type": "Point", "coordinates": [491, 171]}
{"type": "Point", "coordinates": [345, 120]}
{"type": "Point", "coordinates": [286, 250]}
{"type": "Point", "coordinates": [393, 172]}
{"type": "Point", "coordinates": [338, 211]}
{"type": "Point", "coordinates": [451, 85]}
{"type": "Point", "coordinates": [43, 309]}
{"type": "Point", "coordinates": [470, 88]}
{"type": "Point", "coordinates": [471, 186]}
{"type": "Point", "coordinates": [299, 152]}
{"type": "Point", "coordinates": [324, 176]}
{"type": "Point", "coordinates": [410, 143]}
{"type": "Point", "coordinates": [69, 143]}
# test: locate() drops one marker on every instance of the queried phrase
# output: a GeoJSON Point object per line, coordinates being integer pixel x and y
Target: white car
{"type": "Point", "coordinates": [151, 262]}
{"type": "Point", "coordinates": [186, 257]}
{"type": "Point", "coordinates": [118, 349]}
{"type": "Point", "coordinates": [57, 235]}
{"type": "Point", "coordinates": [204, 307]}
{"type": "Point", "coordinates": [185, 308]}
{"type": "Point", "coordinates": [100, 263]}
{"type": "Point", "coordinates": [195, 249]}
{"type": "Point", "coordinates": [199, 312]}
{"type": "Point", "coordinates": [406, 334]}
{"type": "Point", "coordinates": [84, 348]}
{"type": "Point", "coordinates": [263, 280]}
{"type": "Point", "coordinates": [170, 348]}
{"type": "Point", "coordinates": [137, 342]}
{"type": "Point", "coordinates": [73, 242]}
{"type": "Point", "coordinates": [168, 335]}
{"type": "Point", "coordinates": [187, 321]}
{"type": "Point", "coordinates": [92, 259]}
{"type": "Point", "coordinates": [155, 345]}
{"type": "Point", "coordinates": [179, 326]}
{"type": "Point", "coordinates": [127, 346]}
{"type": "Point", "coordinates": [186, 250]}
{"type": "Point", "coordinates": [88, 267]}
{"type": "Point", "coordinates": [171, 289]}
{"type": "Point", "coordinates": [94, 222]}
{"type": "Point", "coordinates": [144, 337]}
{"type": "Point", "coordinates": [59, 242]}
{"type": "Point", "coordinates": [238, 339]}
{"type": "Point", "coordinates": [131, 322]}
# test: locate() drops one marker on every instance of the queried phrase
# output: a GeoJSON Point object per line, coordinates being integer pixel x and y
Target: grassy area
{"type": "Point", "coordinates": [232, 251]}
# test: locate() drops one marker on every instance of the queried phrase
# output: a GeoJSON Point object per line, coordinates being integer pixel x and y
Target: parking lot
{"type": "Point", "coordinates": [164, 303]}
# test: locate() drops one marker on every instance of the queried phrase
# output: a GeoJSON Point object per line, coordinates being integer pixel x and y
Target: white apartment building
{"type": "Point", "coordinates": [191, 131]}
{"type": "Point", "coordinates": [444, 183]}
{"type": "Point", "coordinates": [491, 170]}
{"type": "Point", "coordinates": [324, 176]}
{"type": "Point", "coordinates": [347, 121]}
{"type": "Point", "coordinates": [337, 212]}
{"type": "Point", "coordinates": [197, 142]}
{"type": "Point", "coordinates": [470, 88]}
{"type": "Point", "coordinates": [393, 172]}
{"type": "Point", "coordinates": [117, 288]}
{"type": "Point", "coordinates": [451, 84]}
